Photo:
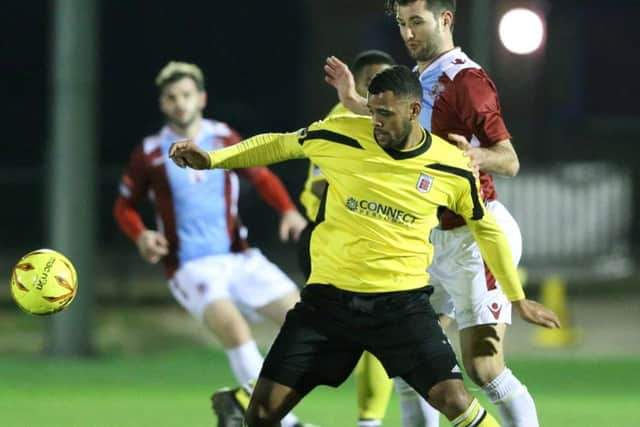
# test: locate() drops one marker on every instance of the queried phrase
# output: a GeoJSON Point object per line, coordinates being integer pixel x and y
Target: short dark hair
{"type": "Point", "coordinates": [370, 57]}
{"type": "Point", "coordinates": [398, 79]}
{"type": "Point", "coordinates": [435, 6]}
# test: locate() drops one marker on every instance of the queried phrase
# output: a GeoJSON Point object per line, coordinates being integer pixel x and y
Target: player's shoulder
{"type": "Point", "coordinates": [344, 123]}
{"type": "Point", "coordinates": [444, 153]}
{"type": "Point", "coordinates": [339, 110]}
{"type": "Point", "coordinates": [457, 64]}
{"type": "Point", "coordinates": [150, 143]}
{"type": "Point", "coordinates": [217, 128]}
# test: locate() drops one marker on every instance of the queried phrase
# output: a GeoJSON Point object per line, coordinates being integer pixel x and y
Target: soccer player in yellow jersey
{"type": "Point", "coordinates": [387, 179]}
{"type": "Point", "coordinates": [373, 385]}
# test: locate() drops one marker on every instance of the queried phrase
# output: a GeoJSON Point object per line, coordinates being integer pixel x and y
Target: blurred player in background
{"type": "Point", "coordinates": [374, 386]}
{"type": "Point", "coordinates": [211, 271]}
{"type": "Point", "coordinates": [387, 180]}
{"type": "Point", "coordinates": [460, 103]}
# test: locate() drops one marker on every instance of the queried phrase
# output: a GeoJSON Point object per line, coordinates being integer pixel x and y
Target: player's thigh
{"type": "Point", "coordinates": [307, 352]}
{"type": "Point", "coordinates": [433, 371]}
{"type": "Point", "coordinates": [225, 320]}
{"type": "Point", "coordinates": [277, 309]}
{"type": "Point", "coordinates": [200, 282]}
{"type": "Point", "coordinates": [477, 299]}
{"type": "Point", "coordinates": [482, 350]}
{"type": "Point", "coordinates": [257, 282]}
{"type": "Point", "coordinates": [407, 333]}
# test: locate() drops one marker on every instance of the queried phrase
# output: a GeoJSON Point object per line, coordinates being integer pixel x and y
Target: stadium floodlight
{"type": "Point", "coordinates": [521, 31]}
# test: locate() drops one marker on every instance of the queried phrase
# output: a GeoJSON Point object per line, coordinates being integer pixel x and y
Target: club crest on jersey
{"type": "Point", "coordinates": [424, 183]}
{"type": "Point", "coordinates": [436, 90]}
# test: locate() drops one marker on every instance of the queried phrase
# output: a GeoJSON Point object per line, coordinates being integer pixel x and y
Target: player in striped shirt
{"type": "Point", "coordinates": [212, 272]}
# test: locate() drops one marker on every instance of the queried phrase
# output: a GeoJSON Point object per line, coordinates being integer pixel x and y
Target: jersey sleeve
{"type": "Point", "coordinates": [495, 251]}
{"type": "Point", "coordinates": [266, 182]}
{"type": "Point", "coordinates": [491, 240]}
{"type": "Point", "coordinates": [260, 150]}
{"type": "Point", "coordinates": [133, 186]}
{"type": "Point", "coordinates": [479, 107]}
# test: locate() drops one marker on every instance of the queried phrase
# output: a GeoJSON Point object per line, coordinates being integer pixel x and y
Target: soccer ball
{"type": "Point", "coordinates": [44, 282]}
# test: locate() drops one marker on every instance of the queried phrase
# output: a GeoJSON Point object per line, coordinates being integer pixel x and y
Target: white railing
{"type": "Point", "coordinates": [575, 218]}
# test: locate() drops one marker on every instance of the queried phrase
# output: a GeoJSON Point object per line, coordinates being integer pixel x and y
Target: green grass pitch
{"type": "Point", "coordinates": [171, 388]}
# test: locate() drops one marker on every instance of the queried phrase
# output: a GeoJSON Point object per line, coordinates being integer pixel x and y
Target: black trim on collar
{"type": "Point", "coordinates": [401, 155]}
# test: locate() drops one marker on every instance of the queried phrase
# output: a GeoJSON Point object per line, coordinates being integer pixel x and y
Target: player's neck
{"type": "Point", "coordinates": [422, 65]}
{"type": "Point", "coordinates": [190, 131]}
{"type": "Point", "coordinates": [415, 138]}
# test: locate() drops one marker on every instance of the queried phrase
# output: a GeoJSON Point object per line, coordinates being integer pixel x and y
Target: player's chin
{"type": "Point", "coordinates": [382, 139]}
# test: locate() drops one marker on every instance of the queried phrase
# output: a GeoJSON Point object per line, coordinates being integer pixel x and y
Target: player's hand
{"type": "Point", "coordinates": [338, 75]}
{"type": "Point", "coordinates": [186, 153]}
{"type": "Point", "coordinates": [476, 154]}
{"type": "Point", "coordinates": [536, 313]}
{"type": "Point", "coordinates": [152, 246]}
{"type": "Point", "coordinates": [291, 225]}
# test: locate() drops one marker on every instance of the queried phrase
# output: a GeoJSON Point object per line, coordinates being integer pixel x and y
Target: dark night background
{"type": "Point", "coordinates": [574, 100]}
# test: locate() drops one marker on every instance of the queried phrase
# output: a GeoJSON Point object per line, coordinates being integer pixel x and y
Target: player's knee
{"type": "Point", "coordinates": [482, 371]}
{"type": "Point", "coordinates": [450, 397]}
{"type": "Point", "coordinates": [259, 416]}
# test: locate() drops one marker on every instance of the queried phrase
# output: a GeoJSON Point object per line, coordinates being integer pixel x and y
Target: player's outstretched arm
{"type": "Point", "coordinates": [338, 75]}
{"type": "Point", "coordinates": [496, 253]}
{"type": "Point", "coordinates": [186, 153]}
{"type": "Point", "coordinates": [260, 150]}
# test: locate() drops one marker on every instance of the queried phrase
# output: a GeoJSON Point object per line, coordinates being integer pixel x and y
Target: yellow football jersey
{"type": "Point", "coordinates": [308, 198]}
{"type": "Point", "coordinates": [373, 224]}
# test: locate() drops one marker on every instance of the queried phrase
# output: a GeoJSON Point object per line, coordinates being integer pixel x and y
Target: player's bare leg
{"type": "Point", "coordinates": [224, 319]}
{"type": "Point", "coordinates": [277, 310]}
{"type": "Point", "coordinates": [482, 350]}
{"type": "Point", "coordinates": [451, 398]}
{"type": "Point", "coordinates": [270, 402]}
{"type": "Point", "coordinates": [230, 404]}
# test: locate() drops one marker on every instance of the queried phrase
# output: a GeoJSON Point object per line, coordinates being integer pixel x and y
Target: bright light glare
{"type": "Point", "coordinates": [521, 31]}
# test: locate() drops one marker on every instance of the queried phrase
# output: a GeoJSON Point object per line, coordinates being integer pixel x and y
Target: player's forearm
{"type": "Point", "coordinates": [356, 103]}
{"type": "Point", "coordinates": [128, 218]}
{"type": "Point", "coordinates": [260, 150]}
{"type": "Point", "coordinates": [500, 159]}
{"type": "Point", "coordinates": [495, 251]}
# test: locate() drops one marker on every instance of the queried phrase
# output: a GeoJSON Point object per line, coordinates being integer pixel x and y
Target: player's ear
{"type": "Point", "coordinates": [203, 99]}
{"type": "Point", "coordinates": [415, 108]}
{"type": "Point", "coordinates": [447, 19]}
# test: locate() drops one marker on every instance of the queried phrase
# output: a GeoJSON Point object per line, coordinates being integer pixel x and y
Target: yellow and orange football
{"type": "Point", "coordinates": [44, 282]}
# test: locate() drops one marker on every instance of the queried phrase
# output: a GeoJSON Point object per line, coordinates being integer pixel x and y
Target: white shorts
{"type": "Point", "coordinates": [463, 288]}
{"type": "Point", "coordinates": [247, 278]}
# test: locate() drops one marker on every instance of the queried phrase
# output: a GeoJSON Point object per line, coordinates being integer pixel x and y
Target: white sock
{"type": "Point", "coordinates": [513, 401]}
{"type": "Point", "coordinates": [245, 361]}
{"type": "Point", "coordinates": [369, 423]}
{"type": "Point", "coordinates": [289, 420]}
{"type": "Point", "coordinates": [431, 415]}
{"type": "Point", "coordinates": [416, 412]}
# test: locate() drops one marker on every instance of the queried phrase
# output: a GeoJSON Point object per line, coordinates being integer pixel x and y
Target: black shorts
{"type": "Point", "coordinates": [325, 334]}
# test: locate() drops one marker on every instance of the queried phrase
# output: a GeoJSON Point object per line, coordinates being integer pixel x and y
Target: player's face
{"type": "Point", "coordinates": [182, 103]}
{"type": "Point", "coordinates": [366, 74]}
{"type": "Point", "coordinates": [422, 32]}
{"type": "Point", "coordinates": [391, 117]}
